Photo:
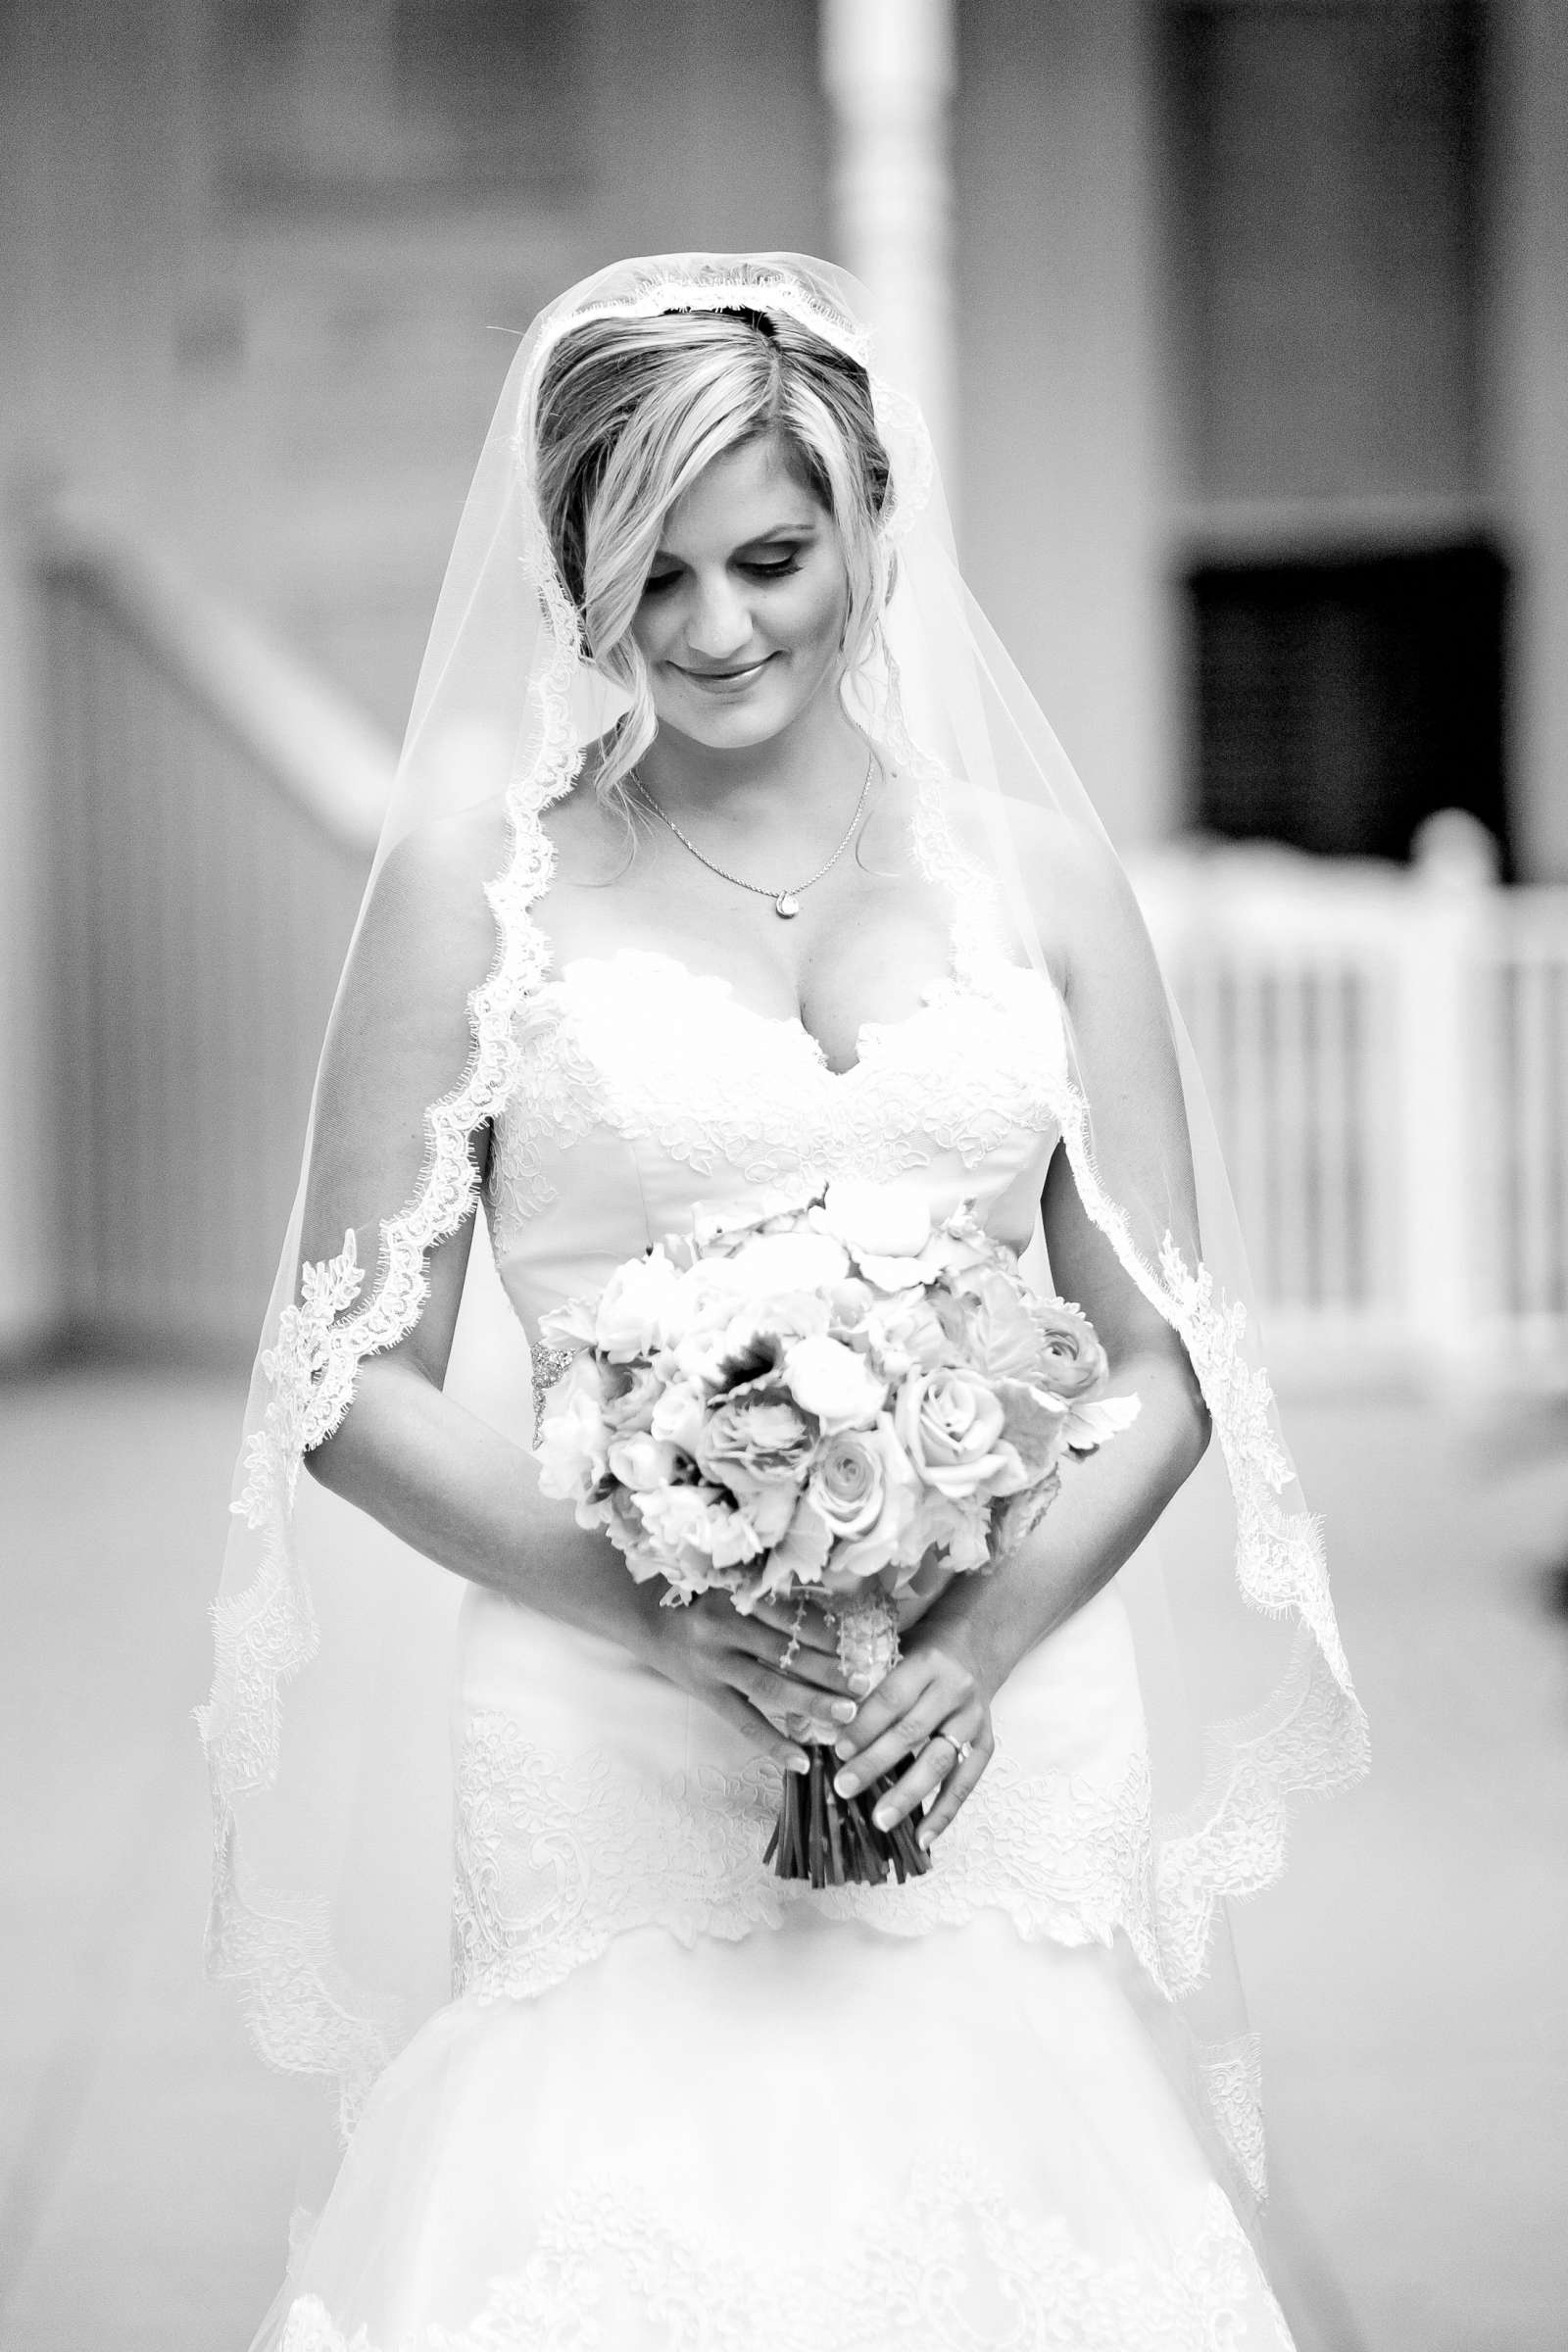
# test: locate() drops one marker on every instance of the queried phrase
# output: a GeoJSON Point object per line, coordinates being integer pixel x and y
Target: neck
{"type": "Point", "coordinates": [810, 766]}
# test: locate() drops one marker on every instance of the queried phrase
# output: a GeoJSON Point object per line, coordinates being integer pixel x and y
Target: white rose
{"type": "Point", "coordinates": [707, 1296]}
{"type": "Point", "coordinates": [572, 1446]}
{"type": "Point", "coordinates": [832, 1382]}
{"type": "Point", "coordinates": [630, 1318]}
{"type": "Point", "coordinates": [866, 1490]}
{"type": "Point", "coordinates": [678, 1519]}
{"type": "Point", "coordinates": [789, 1262]}
{"type": "Point", "coordinates": [732, 1540]}
{"type": "Point", "coordinates": [641, 1460]}
{"type": "Point", "coordinates": [904, 1336]}
{"type": "Point", "coordinates": [571, 1325]}
{"type": "Point", "coordinates": [951, 1424]}
{"type": "Point", "coordinates": [677, 1418]}
{"type": "Point", "coordinates": [875, 1220]}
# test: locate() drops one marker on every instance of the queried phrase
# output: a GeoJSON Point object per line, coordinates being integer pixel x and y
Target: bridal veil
{"type": "Point", "coordinates": [325, 1731]}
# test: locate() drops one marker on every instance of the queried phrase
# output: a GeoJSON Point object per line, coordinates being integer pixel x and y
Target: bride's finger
{"type": "Point", "coordinates": [958, 1786]}
{"type": "Point", "coordinates": [776, 1647]}
{"type": "Point", "coordinates": [801, 1621]}
{"type": "Point", "coordinates": [938, 1762]}
{"type": "Point", "coordinates": [892, 1699]}
{"type": "Point", "coordinates": [904, 1738]}
{"type": "Point", "coordinates": [766, 1737]}
{"type": "Point", "coordinates": [782, 1696]}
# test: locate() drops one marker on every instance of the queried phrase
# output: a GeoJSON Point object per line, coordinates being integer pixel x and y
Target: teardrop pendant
{"type": "Point", "coordinates": [786, 903]}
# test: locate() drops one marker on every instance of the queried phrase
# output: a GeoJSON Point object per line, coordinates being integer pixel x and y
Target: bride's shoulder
{"type": "Point", "coordinates": [1072, 882]}
{"type": "Point", "coordinates": [428, 914]}
{"type": "Point", "coordinates": [588, 833]}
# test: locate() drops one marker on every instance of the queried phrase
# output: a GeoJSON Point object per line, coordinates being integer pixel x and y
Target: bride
{"type": "Point", "coordinates": [728, 855]}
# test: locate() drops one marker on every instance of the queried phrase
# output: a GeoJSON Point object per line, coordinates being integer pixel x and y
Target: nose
{"type": "Point", "coordinates": [719, 623]}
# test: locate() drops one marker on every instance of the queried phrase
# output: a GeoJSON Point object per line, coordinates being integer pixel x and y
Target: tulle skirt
{"type": "Point", "coordinates": [761, 2129]}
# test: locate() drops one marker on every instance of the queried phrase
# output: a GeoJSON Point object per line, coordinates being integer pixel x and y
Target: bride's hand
{"type": "Point", "coordinates": [778, 1666]}
{"type": "Point", "coordinates": [933, 1708]}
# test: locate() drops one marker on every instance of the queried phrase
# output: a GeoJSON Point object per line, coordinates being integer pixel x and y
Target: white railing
{"type": "Point", "coordinates": [1387, 1051]}
{"type": "Point", "coordinates": [212, 809]}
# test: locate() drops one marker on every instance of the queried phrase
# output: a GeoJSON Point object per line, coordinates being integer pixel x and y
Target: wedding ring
{"type": "Point", "coordinates": [963, 1749]}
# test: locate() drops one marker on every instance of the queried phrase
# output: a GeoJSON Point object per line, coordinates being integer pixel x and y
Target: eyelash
{"type": "Point", "coordinates": [761, 572]}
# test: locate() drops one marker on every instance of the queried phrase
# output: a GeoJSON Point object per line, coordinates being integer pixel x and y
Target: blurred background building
{"type": "Point", "coordinates": [1243, 325]}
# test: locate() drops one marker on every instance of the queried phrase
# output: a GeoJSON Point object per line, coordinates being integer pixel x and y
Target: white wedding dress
{"type": "Point", "coordinates": [677, 2106]}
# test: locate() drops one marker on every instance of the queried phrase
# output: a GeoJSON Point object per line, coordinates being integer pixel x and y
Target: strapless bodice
{"type": "Point", "coordinates": [647, 1088]}
{"type": "Point", "coordinates": [594, 1797]}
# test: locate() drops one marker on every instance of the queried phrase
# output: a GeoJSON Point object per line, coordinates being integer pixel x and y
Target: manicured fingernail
{"type": "Point", "coordinates": [843, 1747]}
{"type": "Point", "coordinates": [844, 1710]}
{"type": "Point", "coordinates": [862, 1684]}
{"type": "Point", "coordinates": [922, 1838]}
{"type": "Point", "coordinates": [845, 1783]}
{"type": "Point", "coordinates": [797, 1762]}
{"type": "Point", "coordinates": [883, 1817]}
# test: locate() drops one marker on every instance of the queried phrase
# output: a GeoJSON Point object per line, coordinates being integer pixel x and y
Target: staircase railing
{"type": "Point", "coordinates": [211, 808]}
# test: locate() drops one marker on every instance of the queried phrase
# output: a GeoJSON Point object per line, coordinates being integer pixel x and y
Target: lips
{"type": "Point", "coordinates": [718, 681]}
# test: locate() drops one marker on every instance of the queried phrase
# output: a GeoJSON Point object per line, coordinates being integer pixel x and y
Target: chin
{"type": "Point", "coordinates": [731, 727]}
{"type": "Point", "coordinates": [739, 725]}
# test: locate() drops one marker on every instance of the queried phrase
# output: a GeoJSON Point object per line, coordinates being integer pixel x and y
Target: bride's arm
{"type": "Point", "coordinates": [968, 1643]}
{"type": "Point", "coordinates": [458, 1491]}
{"type": "Point", "coordinates": [439, 1478]}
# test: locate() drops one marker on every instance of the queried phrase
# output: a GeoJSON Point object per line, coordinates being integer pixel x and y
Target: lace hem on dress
{"type": "Point", "coordinates": [554, 1861]}
{"type": "Point", "coordinates": [955, 2268]}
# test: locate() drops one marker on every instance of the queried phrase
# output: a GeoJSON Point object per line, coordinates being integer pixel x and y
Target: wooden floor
{"type": "Point", "coordinates": [1407, 1976]}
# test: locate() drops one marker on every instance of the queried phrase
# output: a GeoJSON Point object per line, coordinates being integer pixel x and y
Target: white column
{"type": "Point", "coordinates": [1439, 1086]}
{"type": "Point", "coordinates": [1528, 364]}
{"type": "Point", "coordinates": [888, 70]}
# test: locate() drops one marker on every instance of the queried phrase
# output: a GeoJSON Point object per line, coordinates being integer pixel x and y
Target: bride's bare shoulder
{"type": "Point", "coordinates": [1071, 882]}
{"type": "Point", "coordinates": [428, 913]}
{"type": "Point", "coordinates": [429, 902]}
{"type": "Point", "coordinates": [589, 835]}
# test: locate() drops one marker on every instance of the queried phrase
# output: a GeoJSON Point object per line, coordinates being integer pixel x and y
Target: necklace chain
{"type": "Point", "coordinates": [786, 903]}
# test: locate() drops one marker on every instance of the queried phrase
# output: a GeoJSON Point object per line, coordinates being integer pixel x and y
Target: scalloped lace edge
{"type": "Point", "coordinates": [275, 1952]}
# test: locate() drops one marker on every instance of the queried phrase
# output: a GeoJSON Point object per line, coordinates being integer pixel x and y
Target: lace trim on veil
{"type": "Point", "coordinates": [275, 1949]}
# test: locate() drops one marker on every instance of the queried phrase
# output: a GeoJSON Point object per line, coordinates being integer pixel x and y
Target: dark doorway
{"type": "Point", "coordinates": [1340, 701]}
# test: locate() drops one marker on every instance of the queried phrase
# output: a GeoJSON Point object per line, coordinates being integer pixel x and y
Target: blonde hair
{"type": "Point", "coordinates": [629, 411]}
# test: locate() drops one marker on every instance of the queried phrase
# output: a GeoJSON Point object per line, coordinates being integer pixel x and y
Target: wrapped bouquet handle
{"type": "Point", "coordinates": [834, 1840]}
{"type": "Point", "coordinates": [825, 1399]}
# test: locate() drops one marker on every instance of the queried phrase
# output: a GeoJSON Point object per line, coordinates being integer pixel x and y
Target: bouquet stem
{"type": "Point", "coordinates": [830, 1839]}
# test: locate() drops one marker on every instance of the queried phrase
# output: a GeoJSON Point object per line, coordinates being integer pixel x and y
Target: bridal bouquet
{"type": "Point", "coordinates": [839, 1400]}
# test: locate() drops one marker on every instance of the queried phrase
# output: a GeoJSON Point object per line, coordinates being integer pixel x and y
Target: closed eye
{"type": "Point", "coordinates": [757, 568]}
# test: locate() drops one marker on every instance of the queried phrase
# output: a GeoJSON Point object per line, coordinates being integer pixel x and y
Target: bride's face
{"type": "Point", "coordinates": [742, 619]}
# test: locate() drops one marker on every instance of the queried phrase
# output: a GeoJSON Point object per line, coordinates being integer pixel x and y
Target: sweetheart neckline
{"type": "Point", "coordinates": [790, 1023]}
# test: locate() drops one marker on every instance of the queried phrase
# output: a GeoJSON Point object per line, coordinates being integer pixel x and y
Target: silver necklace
{"type": "Point", "coordinates": [786, 903]}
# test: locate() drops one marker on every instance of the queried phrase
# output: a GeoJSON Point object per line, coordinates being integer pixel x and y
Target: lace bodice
{"type": "Point", "coordinates": [647, 1087]}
